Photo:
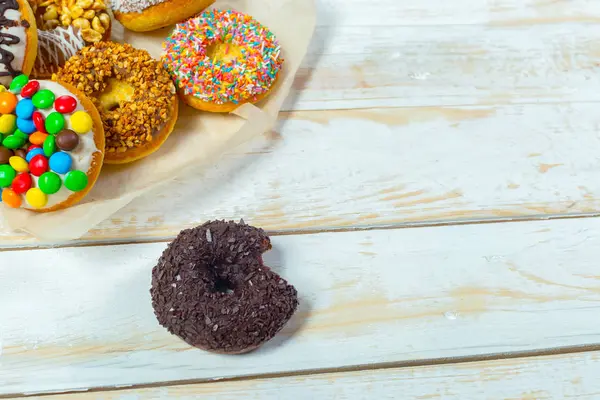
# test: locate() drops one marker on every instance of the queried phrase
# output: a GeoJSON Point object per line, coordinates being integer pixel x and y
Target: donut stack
{"type": "Point", "coordinates": [50, 150]}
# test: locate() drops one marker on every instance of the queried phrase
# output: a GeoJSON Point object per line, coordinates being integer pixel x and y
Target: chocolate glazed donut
{"type": "Point", "coordinates": [212, 290]}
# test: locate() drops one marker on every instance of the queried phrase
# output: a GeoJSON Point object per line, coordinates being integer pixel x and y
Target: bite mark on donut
{"type": "Point", "coordinates": [211, 289]}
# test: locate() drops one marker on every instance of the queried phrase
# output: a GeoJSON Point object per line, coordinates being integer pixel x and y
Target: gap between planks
{"type": "Point", "coordinates": [347, 369]}
{"type": "Point", "coordinates": [403, 225]}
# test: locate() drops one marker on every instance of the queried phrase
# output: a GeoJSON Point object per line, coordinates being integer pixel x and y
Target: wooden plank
{"type": "Point", "coordinates": [365, 168]}
{"type": "Point", "coordinates": [456, 12]}
{"type": "Point", "coordinates": [572, 376]}
{"type": "Point", "coordinates": [78, 318]}
{"type": "Point", "coordinates": [448, 65]}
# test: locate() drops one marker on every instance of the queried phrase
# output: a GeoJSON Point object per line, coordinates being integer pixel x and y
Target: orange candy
{"type": "Point", "coordinates": [11, 199]}
{"type": "Point", "coordinates": [37, 138]}
{"type": "Point", "coordinates": [8, 102]}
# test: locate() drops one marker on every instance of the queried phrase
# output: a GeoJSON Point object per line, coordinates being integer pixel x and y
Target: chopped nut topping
{"type": "Point", "coordinates": [133, 122]}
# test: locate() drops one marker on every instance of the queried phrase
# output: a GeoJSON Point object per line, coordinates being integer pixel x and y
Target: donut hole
{"type": "Point", "coordinates": [224, 52]}
{"type": "Point", "coordinates": [223, 286]}
{"type": "Point", "coordinates": [115, 94]}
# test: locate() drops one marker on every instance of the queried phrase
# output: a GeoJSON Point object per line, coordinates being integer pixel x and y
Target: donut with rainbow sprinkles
{"type": "Point", "coordinates": [222, 59]}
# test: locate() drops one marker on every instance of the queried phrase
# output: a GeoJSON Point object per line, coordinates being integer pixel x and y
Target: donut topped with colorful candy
{"type": "Point", "coordinates": [51, 145]}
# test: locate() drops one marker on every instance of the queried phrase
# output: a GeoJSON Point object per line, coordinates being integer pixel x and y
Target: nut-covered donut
{"type": "Point", "coordinates": [136, 98]}
{"type": "Point", "coordinates": [212, 290]}
{"type": "Point", "coordinates": [64, 28]}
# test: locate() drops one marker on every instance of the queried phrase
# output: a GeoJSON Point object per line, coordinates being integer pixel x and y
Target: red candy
{"type": "Point", "coordinates": [33, 146]}
{"type": "Point", "coordinates": [38, 121]}
{"type": "Point", "coordinates": [21, 183]}
{"type": "Point", "coordinates": [30, 89]}
{"type": "Point", "coordinates": [65, 104]}
{"type": "Point", "coordinates": [38, 165]}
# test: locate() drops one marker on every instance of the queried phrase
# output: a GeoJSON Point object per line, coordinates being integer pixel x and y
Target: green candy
{"type": "Point", "coordinates": [17, 84]}
{"type": "Point", "coordinates": [21, 134]}
{"type": "Point", "coordinates": [2, 138]}
{"type": "Point", "coordinates": [76, 180]}
{"type": "Point", "coordinates": [55, 122]}
{"type": "Point", "coordinates": [7, 174]}
{"type": "Point", "coordinates": [49, 183]}
{"type": "Point", "coordinates": [13, 142]}
{"type": "Point", "coordinates": [49, 146]}
{"type": "Point", "coordinates": [43, 99]}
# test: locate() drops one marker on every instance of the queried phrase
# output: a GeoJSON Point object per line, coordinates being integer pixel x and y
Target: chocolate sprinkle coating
{"type": "Point", "coordinates": [212, 290]}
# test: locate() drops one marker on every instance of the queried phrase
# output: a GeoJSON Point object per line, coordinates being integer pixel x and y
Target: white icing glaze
{"type": "Point", "coordinates": [60, 43]}
{"type": "Point", "coordinates": [81, 155]}
{"type": "Point", "coordinates": [18, 50]}
{"type": "Point", "coordinates": [133, 6]}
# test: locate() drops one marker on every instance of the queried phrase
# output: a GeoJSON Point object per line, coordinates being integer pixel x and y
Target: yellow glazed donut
{"type": "Point", "coordinates": [52, 145]}
{"type": "Point", "coordinates": [136, 98]}
{"type": "Point", "coordinates": [64, 28]}
{"type": "Point", "coordinates": [222, 59]}
{"type": "Point", "coordinates": [149, 15]}
{"type": "Point", "coordinates": [18, 39]}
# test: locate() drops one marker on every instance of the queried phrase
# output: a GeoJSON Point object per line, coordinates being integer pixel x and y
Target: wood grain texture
{"type": "Point", "coordinates": [572, 376]}
{"type": "Point", "coordinates": [78, 318]}
{"type": "Point", "coordinates": [365, 168]}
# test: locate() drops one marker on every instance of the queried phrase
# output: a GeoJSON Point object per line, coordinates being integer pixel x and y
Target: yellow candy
{"type": "Point", "coordinates": [81, 122]}
{"type": "Point", "coordinates": [36, 198]}
{"type": "Point", "coordinates": [8, 123]}
{"type": "Point", "coordinates": [18, 164]}
{"type": "Point", "coordinates": [2, 88]}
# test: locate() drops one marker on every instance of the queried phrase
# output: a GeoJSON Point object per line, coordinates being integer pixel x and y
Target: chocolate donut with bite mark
{"type": "Point", "coordinates": [211, 289]}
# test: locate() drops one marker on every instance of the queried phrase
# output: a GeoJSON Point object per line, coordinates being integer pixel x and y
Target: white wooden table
{"type": "Point", "coordinates": [432, 190]}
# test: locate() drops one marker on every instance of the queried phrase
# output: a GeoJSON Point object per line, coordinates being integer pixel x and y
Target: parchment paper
{"type": "Point", "coordinates": [199, 138]}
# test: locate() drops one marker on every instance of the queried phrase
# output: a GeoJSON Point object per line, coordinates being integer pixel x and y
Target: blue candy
{"type": "Point", "coordinates": [60, 162]}
{"type": "Point", "coordinates": [25, 109]}
{"type": "Point", "coordinates": [34, 153]}
{"type": "Point", "coordinates": [26, 125]}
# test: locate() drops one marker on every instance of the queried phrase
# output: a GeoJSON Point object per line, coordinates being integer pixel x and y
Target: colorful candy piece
{"type": "Point", "coordinates": [55, 122]}
{"type": "Point", "coordinates": [38, 121]}
{"type": "Point", "coordinates": [65, 104]}
{"type": "Point", "coordinates": [8, 102]}
{"type": "Point", "coordinates": [22, 183]}
{"type": "Point", "coordinates": [36, 151]}
{"type": "Point", "coordinates": [2, 88]}
{"type": "Point", "coordinates": [67, 140]}
{"type": "Point", "coordinates": [19, 164]}
{"type": "Point", "coordinates": [49, 146]}
{"type": "Point", "coordinates": [34, 146]}
{"type": "Point", "coordinates": [76, 180]}
{"type": "Point", "coordinates": [21, 153]}
{"type": "Point", "coordinates": [60, 162]}
{"type": "Point", "coordinates": [11, 199]}
{"type": "Point", "coordinates": [8, 124]}
{"type": "Point", "coordinates": [7, 174]}
{"type": "Point", "coordinates": [81, 122]}
{"type": "Point", "coordinates": [22, 135]}
{"type": "Point", "coordinates": [5, 155]}
{"type": "Point", "coordinates": [36, 198]}
{"type": "Point", "coordinates": [25, 109]}
{"type": "Point", "coordinates": [43, 99]}
{"type": "Point", "coordinates": [49, 183]}
{"type": "Point", "coordinates": [18, 82]}
{"type": "Point", "coordinates": [13, 142]}
{"type": "Point", "coordinates": [37, 138]}
{"type": "Point", "coordinates": [38, 165]}
{"type": "Point", "coordinates": [30, 89]}
{"type": "Point", "coordinates": [26, 125]}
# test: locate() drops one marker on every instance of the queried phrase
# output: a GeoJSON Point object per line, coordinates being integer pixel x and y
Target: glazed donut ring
{"type": "Point", "coordinates": [149, 15]}
{"type": "Point", "coordinates": [133, 92]}
{"type": "Point", "coordinates": [222, 59]}
{"type": "Point", "coordinates": [212, 290]}
{"type": "Point", "coordinates": [18, 39]}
